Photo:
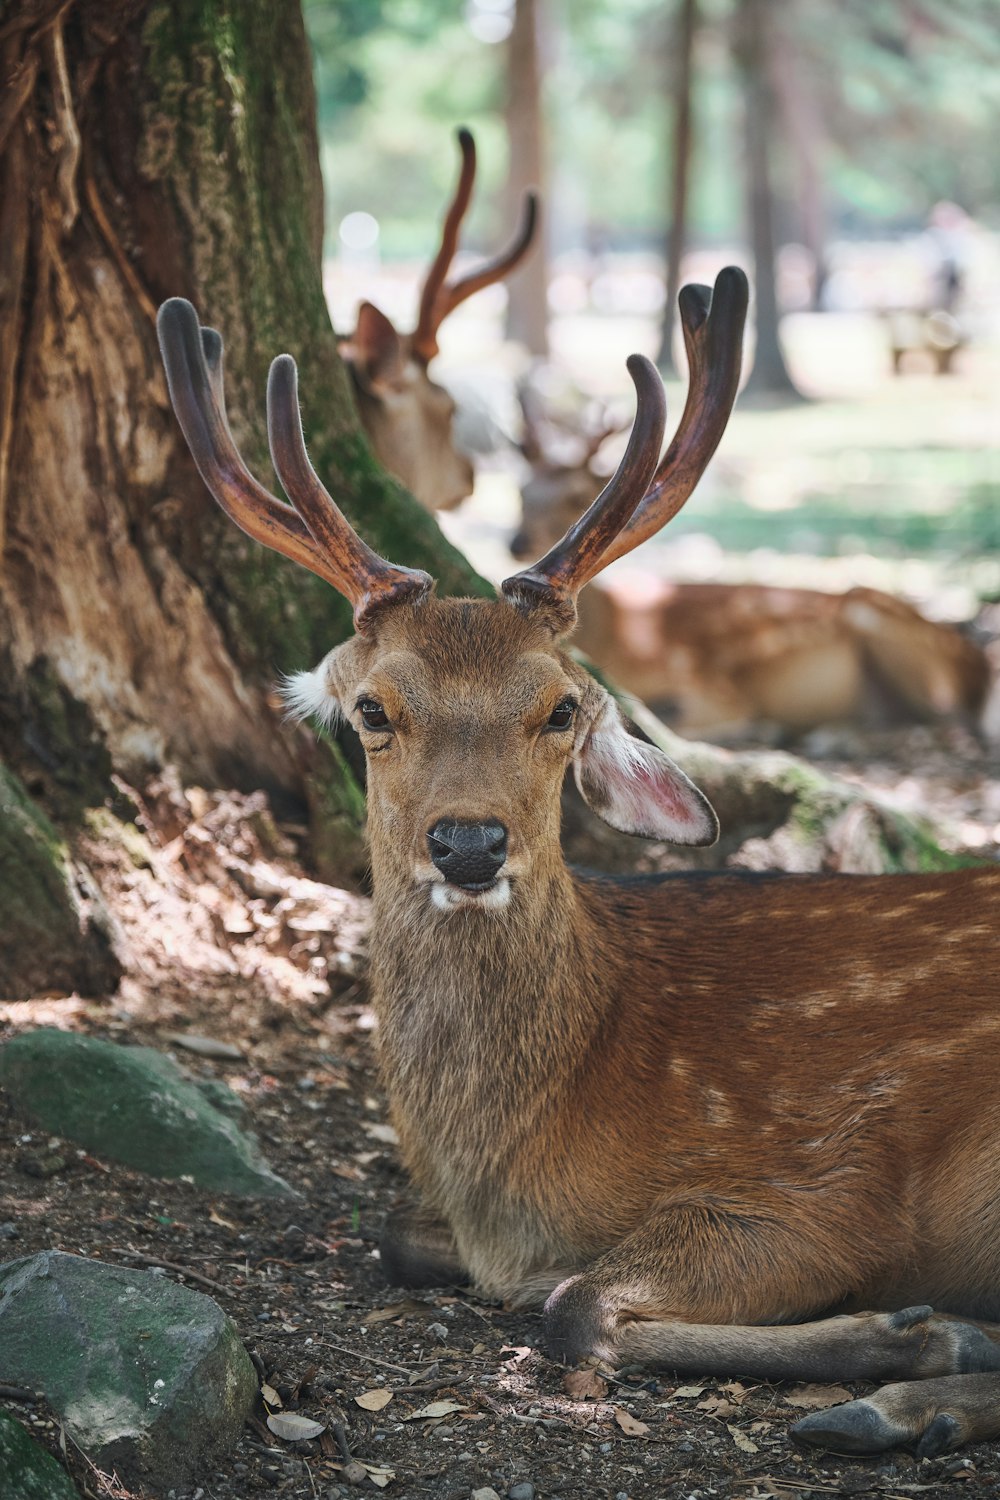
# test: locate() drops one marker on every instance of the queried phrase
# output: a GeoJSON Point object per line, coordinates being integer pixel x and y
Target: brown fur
{"type": "Point", "coordinates": [699, 1101]}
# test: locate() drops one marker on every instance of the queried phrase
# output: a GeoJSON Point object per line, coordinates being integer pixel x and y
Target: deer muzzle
{"type": "Point", "coordinates": [469, 855]}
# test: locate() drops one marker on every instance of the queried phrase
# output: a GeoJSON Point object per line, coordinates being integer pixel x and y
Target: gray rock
{"type": "Point", "coordinates": [523, 1491]}
{"type": "Point", "coordinates": [135, 1106]}
{"type": "Point", "coordinates": [484, 1494]}
{"type": "Point", "coordinates": [27, 1471]}
{"type": "Point", "coordinates": [148, 1377]}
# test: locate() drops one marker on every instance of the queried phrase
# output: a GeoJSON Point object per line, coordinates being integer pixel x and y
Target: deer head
{"type": "Point", "coordinates": [471, 711]}
{"type": "Point", "coordinates": [407, 415]}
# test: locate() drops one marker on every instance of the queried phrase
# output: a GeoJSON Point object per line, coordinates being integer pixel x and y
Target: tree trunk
{"type": "Point", "coordinates": [683, 79]}
{"type": "Point", "coordinates": [527, 307]}
{"type": "Point", "coordinates": [803, 129]}
{"type": "Point", "coordinates": [770, 374]}
{"type": "Point", "coordinates": [152, 149]}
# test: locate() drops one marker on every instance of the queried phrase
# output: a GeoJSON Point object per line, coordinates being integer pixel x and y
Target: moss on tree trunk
{"type": "Point", "coordinates": [150, 150]}
{"type": "Point", "coordinates": [54, 931]}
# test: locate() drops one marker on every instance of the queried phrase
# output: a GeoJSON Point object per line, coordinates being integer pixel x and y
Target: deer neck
{"type": "Point", "coordinates": [462, 997]}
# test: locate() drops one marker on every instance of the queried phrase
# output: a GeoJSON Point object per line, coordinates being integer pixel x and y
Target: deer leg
{"type": "Point", "coordinates": [937, 1415]}
{"type": "Point", "coordinates": [418, 1249]}
{"type": "Point", "coordinates": [709, 1287]}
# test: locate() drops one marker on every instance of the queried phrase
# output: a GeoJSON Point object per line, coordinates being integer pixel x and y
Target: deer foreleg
{"type": "Point", "coordinates": [693, 1290]}
{"type": "Point", "coordinates": [937, 1415]}
{"type": "Point", "coordinates": [418, 1248]}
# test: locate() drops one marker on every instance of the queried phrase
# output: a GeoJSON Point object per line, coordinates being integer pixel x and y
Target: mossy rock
{"type": "Point", "coordinates": [54, 930]}
{"type": "Point", "coordinates": [149, 1378]}
{"type": "Point", "coordinates": [135, 1106]}
{"type": "Point", "coordinates": [27, 1471]}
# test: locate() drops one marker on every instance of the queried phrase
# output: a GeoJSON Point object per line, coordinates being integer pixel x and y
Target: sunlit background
{"type": "Point", "coordinates": [880, 118]}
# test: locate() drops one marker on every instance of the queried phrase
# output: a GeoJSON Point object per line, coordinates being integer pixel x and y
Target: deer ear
{"type": "Point", "coordinates": [636, 788]}
{"type": "Point", "coordinates": [375, 349]}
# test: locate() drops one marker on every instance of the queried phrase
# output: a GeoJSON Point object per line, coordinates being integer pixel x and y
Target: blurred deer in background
{"type": "Point", "coordinates": [407, 416]}
{"type": "Point", "coordinates": [686, 1113]}
{"type": "Point", "coordinates": [725, 658]}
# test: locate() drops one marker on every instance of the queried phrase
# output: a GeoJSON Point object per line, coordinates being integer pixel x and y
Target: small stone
{"type": "Point", "coordinates": [525, 1490]}
{"type": "Point", "coordinates": [622, 1495]}
{"type": "Point", "coordinates": [8, 1231]}
{"type": "Point", "coordinates": [444, 1431]}
{"type": "Point", "coordinates": [486, 1493]}
{"type": "Point", "coordinates": [437, 1331]}
{"type": "Point", "coordinates": [604, 1447]}
{"type": "Point", "coordinates": [466, 1458]}
{"type": "Point", "coordinates": [354, 1472]}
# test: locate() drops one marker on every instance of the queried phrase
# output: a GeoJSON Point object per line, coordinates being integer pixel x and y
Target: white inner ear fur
{"type": "Point", "coordinates": [307, 695]}
{"type": "Point", "coordinates": [637, 789]}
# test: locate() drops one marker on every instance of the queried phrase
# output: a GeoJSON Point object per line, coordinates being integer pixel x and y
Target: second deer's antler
{"type": "Point", "coordinates": [439, 298]}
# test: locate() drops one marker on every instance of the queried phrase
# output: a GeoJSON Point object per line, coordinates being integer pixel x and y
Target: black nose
{"type": "Point", "coordinates": [468, 854]}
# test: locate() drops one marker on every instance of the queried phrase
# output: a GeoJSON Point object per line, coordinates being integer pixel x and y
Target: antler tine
{"type": "Point", "coordinates": [556, 580]}
{"type": "Point", "coordinates": [492, 270]}
{"type": "Point", "coordinates": [439, 299]}
{"type": "Point", "coordinates": [363, 577]}
{"type": "Point", "coordinates": [713, 337]}
{"type": "Point", "coordinates": [192, 358]}
{"type": "Point", "coordinates": [424, 341]}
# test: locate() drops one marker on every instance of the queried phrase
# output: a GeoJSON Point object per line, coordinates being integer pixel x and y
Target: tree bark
{"type": "Point", "coordinates": [151, 149]}
{"type": "Point", "coordinates": [683, 82]}
{"type": "Point", "coordinates": [769, 375]}
{"type": "Point", "coordinates": [527, 306]}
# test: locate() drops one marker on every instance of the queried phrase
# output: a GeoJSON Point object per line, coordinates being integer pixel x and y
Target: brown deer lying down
{"type": "Point", "coordinates": [407, 416]}
{"type": "Point", "coordinates": [711, 1123]}
{"type": "Point", "coordinates": [722, 658]}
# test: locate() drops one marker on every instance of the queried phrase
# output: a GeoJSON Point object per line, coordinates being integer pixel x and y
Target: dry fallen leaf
{"type": "Point", "coordinates": [216, 1218]}
{"type": "Point", "coordinates": [743, 1443]}
{"type": "Point", "coordinates": [205, 1046]}
{"type": "Point", "coordinates": [717, 1406]}
{"type": "Point", "coordinates": [404, 1309]}
{"type": "Point", "coordinates": [271, 1396]}
{"type": "Point", "coordinates": [690, 1390]}
{"type": "Point", "coordinates": [585, 1385]}
{"type": "Point", "coordinates": [628, 1424]}
{"type": "Point", "coordinates": [373, 1400]}
{"type": "Point", "coordinates": [293, 1428]}
{"type": "Point", "coordinates": [436, 1409]}
{"type": "Point", "coordinates": [817, 1397]}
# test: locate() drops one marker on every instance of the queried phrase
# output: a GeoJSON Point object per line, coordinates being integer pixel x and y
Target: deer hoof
{"type": "Point", "coordinates": [908, 1317]}
{"type": "Point", "coordinates": [855, 1427]}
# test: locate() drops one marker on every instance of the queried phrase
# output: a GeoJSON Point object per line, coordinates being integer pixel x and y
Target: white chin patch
{"type": "Point", "coordinates": [307, 696]}
{"type": "Point", "coordinates": [452, 897]}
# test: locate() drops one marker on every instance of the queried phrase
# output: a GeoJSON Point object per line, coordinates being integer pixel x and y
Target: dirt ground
{"type": "Point", "coordinates": [225, 938]}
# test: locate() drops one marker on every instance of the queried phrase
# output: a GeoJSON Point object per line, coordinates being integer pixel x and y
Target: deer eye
{"type": "Point", "coordinates": [373, 715]}
{"type": "Point", "coordinates": [561, 716]}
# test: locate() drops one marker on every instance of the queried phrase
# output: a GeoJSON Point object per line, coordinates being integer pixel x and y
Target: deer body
{"type": "Point", "coordinates": [756, 1045]}
{"type": "Point", "coordinates": [684, 1114]}
{"type": "Point", "coordinates": [726, 657]}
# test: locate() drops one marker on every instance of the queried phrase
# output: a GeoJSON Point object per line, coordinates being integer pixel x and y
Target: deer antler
{"type": "Point", "coordinates": [324, 541]}
{"type": "Point", "coordinates": [713, 337]}
{"type": "Point", "coordinates": [555, 581]}
{"type": "Point", "coordinates": [439, 299]}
